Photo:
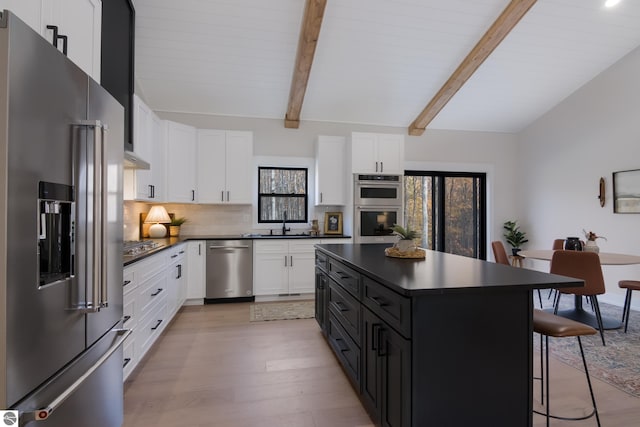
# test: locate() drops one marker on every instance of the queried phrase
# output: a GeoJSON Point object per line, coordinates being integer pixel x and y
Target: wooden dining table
{"type": "Point", "coordinates": [578, 313]}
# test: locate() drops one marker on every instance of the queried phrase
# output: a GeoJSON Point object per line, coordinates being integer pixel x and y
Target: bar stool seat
{"type": "Point", "coordinates": [551, 325]}
{"type": "Point", "coordinates": [629, 285]}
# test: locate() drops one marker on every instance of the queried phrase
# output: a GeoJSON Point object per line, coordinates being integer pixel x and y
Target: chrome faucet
{"type": "Point", "coordinates": [284, 223]}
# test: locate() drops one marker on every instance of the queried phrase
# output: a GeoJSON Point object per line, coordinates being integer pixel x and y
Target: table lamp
{"type": "Point", "coordinates": [157, 216]}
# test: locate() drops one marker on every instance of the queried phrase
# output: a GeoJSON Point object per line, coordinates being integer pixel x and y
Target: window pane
{"type": "Point", "coordinates": [460, 200]}
{"type": "Point", "coordinates": [283, 181]}
{"type": "Point", "coordinates": [417, 209]}
{"type": "Point", "coordinates": [272, 208]}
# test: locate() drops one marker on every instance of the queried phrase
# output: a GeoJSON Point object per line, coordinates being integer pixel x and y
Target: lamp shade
{"type": "Point", "coordinates": [156, 216]}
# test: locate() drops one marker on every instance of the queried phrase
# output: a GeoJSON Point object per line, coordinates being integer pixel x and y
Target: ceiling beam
{"type": "Point", "coordinates": [309, 33]}
{"type": "Point", "coordinates": [502, 26]}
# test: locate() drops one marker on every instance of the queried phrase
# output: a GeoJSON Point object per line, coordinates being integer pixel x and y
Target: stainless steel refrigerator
{"type": "Point", "coordinates": [61, 149]}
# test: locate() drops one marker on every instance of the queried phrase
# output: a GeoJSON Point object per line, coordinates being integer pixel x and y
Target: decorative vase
{"type": "Point", "coordinates": [591, 246]}
{"type": "Point", "coordinates": [405, 245]}
{"type": "Point", "coordinates": [174, 230]}
{"type": "Point", "coordinates": [573, 244]}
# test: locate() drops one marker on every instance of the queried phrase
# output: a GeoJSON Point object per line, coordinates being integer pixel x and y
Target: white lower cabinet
{"type": "Point", "coordinates": [154, 289]}
{"type": "Point", "coordinates": [196, 273]}
{"type": "Point", "coordinates": [176, 278]}
{"type": "Point", "coordinates": [283, 267]}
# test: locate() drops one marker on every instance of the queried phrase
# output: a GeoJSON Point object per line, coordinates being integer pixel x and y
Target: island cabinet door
{"type": "Point", "coordinates": [386, 376]}
{"type": "Point", "coordinates": [322, 285]}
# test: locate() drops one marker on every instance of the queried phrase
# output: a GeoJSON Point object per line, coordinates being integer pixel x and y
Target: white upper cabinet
{"type": "Point", "coordinates": [331, 184]}
{"type": "Point", "coordinates": [377, 153]}
{"type": "Point", "coordinates": [78, 25]}
{"type": "Point", "coordinates": [149, 144]}
{"type": "Point", "coordinates": [181, 155]}
{"type": "Point", "coordinates": [224, 163]}
{"type": "Point", "coordinates": [81, 22]}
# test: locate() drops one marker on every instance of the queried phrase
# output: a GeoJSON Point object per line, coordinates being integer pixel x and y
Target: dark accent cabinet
{"type": "Point", "coordinates": [386, 373]}
{"type": "Point", "coordinates": [445, 341]}
{"type": "Point", "coordinates": [322, 289]}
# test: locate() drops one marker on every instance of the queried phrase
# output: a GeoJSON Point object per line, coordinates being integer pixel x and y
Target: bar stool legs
{"type": "Point", "coordinates": [548, 324]}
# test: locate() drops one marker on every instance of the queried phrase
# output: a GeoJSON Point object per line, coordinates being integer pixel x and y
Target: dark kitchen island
{"type": "Point", "coordinates": [444, 341]}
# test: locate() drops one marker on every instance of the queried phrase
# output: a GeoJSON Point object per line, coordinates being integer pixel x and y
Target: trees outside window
{"type": "Point", "coordinates": [282, 190]}
{"type": "Point", "coordinates": [450, 210]}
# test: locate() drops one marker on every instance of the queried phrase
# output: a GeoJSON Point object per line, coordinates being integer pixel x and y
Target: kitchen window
{"type": "Point", "coordinates": [282, 190]}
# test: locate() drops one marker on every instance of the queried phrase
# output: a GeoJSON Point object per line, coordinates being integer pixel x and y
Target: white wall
{"type": "Point", "coordinates": [562, 156]}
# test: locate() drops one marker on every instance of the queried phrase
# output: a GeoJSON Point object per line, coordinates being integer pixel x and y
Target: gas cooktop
{"type": "Point", "coordinates": [137, 247]}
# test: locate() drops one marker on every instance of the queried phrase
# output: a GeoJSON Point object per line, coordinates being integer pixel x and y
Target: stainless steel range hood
{"type": "Point", "coordinates": [132, 161]}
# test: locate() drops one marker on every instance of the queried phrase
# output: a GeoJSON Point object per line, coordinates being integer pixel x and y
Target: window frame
{"type": "Point", "coordinates": [304, 196]}
{"type": "Point", "coordinates": [438, 207]}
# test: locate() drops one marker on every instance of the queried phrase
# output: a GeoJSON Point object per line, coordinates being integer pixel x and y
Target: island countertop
{"type": "Point", "coordinates": [440, 272]}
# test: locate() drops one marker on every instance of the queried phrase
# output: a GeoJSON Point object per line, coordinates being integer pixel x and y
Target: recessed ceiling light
{"type": "Point", "coordinates": [611, 3]}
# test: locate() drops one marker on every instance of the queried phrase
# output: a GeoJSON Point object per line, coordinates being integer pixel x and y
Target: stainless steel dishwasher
{"type": "Point", "coordinates": [229, 271]}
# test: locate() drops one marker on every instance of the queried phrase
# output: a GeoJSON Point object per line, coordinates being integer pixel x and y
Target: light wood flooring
{"type": "Point", "coordinates": [212, 367]}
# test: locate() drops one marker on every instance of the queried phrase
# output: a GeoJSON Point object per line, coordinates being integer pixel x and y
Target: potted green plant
{"type": "Point", "coordinates": [174, 226]}
{"type": "Point", "coordinates": [514, 236]}
{"type": "Point", "coordinates": [407, 236]}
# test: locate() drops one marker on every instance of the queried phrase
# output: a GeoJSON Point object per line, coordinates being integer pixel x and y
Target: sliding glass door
{"type": "Point", "coordinates": [449, 208]}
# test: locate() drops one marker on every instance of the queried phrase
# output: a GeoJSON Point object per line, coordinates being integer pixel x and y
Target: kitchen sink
{"type": "Point", "coordinates": [279, 236]}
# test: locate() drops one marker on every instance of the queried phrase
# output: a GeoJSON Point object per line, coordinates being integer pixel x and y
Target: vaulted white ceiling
{"type": "Point", "coordinates": [377, 61]}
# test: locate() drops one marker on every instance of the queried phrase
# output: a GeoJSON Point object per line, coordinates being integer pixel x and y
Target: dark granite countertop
{"type": "Point", "coordinates": [440, 272]}
{"type": "Point", "coordinates": [168, 242]}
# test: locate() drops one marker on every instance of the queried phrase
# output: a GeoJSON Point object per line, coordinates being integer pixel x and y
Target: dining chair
{"type": "Point", "coordinates": [500, 255]}
{"type": "Point", "coordinates": [584, 266]}
{"type": "Point", "coordinates": [630, 286]}
{"type": "Point", "coordinates": [558, 245]}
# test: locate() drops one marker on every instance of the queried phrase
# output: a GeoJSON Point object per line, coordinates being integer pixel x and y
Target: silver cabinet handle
{"type": "Point", "coordinates": [285, 261]}
{"type": "Point", "coordinates": [229, 247]}
{"type": "Point", "coordinates": [222, 196]}
{"type": "Point", "coordinates": [381, 167]}
{"type": "Point", "coordinates": [44, 413]}
{"type": "Point", "coordinates": [227, 195]}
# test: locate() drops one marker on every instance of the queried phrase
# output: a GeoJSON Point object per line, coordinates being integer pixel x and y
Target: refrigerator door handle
{"type": "Point", "coordinates": [44, 413]}
{"type": "Point", "coordinates": [98, 255]}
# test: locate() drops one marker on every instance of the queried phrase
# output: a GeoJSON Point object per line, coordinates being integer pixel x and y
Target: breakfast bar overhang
{"type": "Point", "coordinates": [441, 341]}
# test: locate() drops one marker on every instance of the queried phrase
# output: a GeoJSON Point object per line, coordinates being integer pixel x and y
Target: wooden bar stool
{"type": "Point", "coordinates": [629, 285]}
{"type": "Point", "coordinates": [550, 325]}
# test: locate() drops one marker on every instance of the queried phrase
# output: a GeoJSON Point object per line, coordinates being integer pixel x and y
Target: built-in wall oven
{"type": "Point", "coordinates": [377, 207]}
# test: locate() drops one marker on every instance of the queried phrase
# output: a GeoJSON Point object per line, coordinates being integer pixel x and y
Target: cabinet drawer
{"type": "Point", "coordinates": [321, 260]}
{"type": "Point", "coordinates": [298, 246]}
{"type": "Point", "coordinates": [151, 291]}
{"type": "Point", "coordinates": [151, 265]}
{"type": "Point", "coordinates": [129, 282]}
{"type": "Point", "coordinates": [129, 318]}
{"type": "Point", "coordinates": [347, 351]}
{"type": "Point", "coordinates": [128, 356]}
{"type": "Point", "coordinates": [151, 325]}
{"type": "Point", "coordinates": [345, 277]}
{"type": "Point", "coordinates": [270, 246]}
{"type": "Point", "coordinates": [346, 310]}
{"type": "Point", "coordinates": [390, 306]}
